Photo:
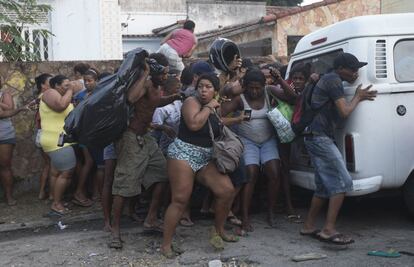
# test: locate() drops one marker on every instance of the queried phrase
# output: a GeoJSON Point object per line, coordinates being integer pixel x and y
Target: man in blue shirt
{"type": "Point", "coordinates": [332, 179]}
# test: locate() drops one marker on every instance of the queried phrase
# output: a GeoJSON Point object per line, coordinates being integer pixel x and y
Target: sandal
{"type": "Point", "coordinates": [216, 241]}
{"type": "Point", "coordinates": [336, 239]}
{"type": "Point", "coordinates": [115, 243]}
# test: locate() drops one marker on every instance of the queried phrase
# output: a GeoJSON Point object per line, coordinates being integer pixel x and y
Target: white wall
{"type": "Point", "coordinates": [76, 28]}
{"type": "Point", "coordinates": [111, 36]}
{"type": "Point", "coordinates": [211, 15]}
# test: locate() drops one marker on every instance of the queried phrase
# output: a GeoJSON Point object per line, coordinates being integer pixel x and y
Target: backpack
{"type": "Point", "coordinates": [304, 115]}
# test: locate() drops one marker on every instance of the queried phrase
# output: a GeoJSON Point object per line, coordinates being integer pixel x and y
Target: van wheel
{"type": "Point", "coordinates": [408, 192]}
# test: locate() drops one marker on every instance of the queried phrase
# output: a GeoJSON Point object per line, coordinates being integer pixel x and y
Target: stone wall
{"type": "Point", "coordinates": [18, 79]}
{"type": "Point", "coordinates": [314, 19]}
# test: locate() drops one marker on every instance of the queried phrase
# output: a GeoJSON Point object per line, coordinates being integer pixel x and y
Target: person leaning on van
{"type": "Point", "coordinates": [332, 179]}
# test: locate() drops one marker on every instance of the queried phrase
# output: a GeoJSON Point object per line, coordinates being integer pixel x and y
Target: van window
{"type": "Point", "coordinates": [404, 61]}
{"type": "Point", "coordinates": [321, 63]}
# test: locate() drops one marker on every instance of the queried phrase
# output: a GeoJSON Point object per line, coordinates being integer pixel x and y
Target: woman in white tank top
{"type": "Point", "coordinates": [260, 143]}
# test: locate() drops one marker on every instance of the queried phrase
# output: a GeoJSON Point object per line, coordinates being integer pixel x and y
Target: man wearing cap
{"type": "Point", "coordinates": [332, 179]}
{"type": "Point", "coordinates": [198, 68]}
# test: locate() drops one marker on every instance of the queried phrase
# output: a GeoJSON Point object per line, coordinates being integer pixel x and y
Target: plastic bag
{"type": "Point", "coordinates": [103, 116]}
{"type": "Point", "coordinates": [282, 125]}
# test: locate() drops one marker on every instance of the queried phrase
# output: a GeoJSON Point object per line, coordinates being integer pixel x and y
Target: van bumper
{"type": "Point", "coordinates": [362, 186]}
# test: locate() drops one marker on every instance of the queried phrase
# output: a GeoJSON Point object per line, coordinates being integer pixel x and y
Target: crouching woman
{"type": "Point", "coordinates": [190, 158]}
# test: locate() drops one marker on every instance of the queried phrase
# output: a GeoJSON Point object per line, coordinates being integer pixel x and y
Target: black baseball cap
{"type": "Point", "coordinates": [202, 67]}
{"type": "Point", "coordinates": [347, 60]}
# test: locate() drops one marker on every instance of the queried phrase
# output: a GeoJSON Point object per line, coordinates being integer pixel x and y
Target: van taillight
{"type": "Point", "coordinates": [349, 152]}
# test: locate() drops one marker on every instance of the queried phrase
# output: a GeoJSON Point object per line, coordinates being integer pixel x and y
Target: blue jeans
{"type": "Point", "coordinates": [331, 175]}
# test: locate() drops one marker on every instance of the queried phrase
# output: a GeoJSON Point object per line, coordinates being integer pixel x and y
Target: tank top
{"type": "Point", "coordinates": [258, 129]}
{"type": "Point", "coordinates": [6, 127]}
{"type": "Point", "coordinates": [182, 41]}
{"type": "Point", "coordinates": [201, 137]}
{"type": "Point", "coordinates": [52, 126]}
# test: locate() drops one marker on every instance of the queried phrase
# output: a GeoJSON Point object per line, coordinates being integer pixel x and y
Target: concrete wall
{"type": "Point", "coordinates": [163, 6]}
{"type": "Point", "coordinates": [308, 21]}
{"type": "Point", "coordinates": [397, 6]}
{"type": "Point", "coordinates": [211, 15]}
{"type": "Point", "coordinates": [18, 79]}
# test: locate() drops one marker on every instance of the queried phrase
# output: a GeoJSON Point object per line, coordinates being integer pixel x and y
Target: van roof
{"type": "Point", "coordinates": [372, 25]}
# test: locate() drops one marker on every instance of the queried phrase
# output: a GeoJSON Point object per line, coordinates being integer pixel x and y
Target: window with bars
{"type": "Point", "coordinates": [35, 36]}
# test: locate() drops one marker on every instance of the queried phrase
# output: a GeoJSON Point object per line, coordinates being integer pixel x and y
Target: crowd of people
{"type": "Point", "coordinates": [167, 147]}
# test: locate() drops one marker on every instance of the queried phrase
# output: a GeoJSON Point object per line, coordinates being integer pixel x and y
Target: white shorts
{"type": "Point", "coordinates": [175, 62]}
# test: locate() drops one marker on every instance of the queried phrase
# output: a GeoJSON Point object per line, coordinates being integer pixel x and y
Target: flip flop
{"type": "Point", "coordinates": [387, 254]}
{"type": "Point", "coordinates": [230, 238]}
{"type": "Point", "coordinates": [294, 218]}
{"type": "Point", "coordinates": [240, 232]}
{"type": "Point", "coordinates": [83, 203]}
{"type": "Point", "coordinates": [313, 234]}
{"type": "Point", "coordinates": [336, 239]}
{"type": "Point", "coordinates": [115, 243]}
{"type": "Point", "coordinates": [234, 220]}
{"type": "Point", "coordinates": [55, 213]}
{"type": "Point", "coordinates": [153, 228]}
{"type": "Point", "coordinates": [186, 222]}
{"type": "Point", "coordinates": [308, 256]}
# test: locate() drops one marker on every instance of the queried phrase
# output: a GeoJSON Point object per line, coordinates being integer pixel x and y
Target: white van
{"type": "Point", "coordinates": [377, 140]}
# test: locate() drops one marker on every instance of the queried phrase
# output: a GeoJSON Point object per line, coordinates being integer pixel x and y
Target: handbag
{"type": "Point", "coordinates": [279, 122]}
{"type": "Point", "coordinates": [227, 149]}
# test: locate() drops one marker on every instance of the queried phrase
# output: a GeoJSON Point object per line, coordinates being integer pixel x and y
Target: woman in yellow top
{"type": "Point", "coordinates": [55, 105]}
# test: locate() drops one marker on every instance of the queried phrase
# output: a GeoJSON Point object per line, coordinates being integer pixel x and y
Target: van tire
{"type": "Point", "coordinates": [408, 192]}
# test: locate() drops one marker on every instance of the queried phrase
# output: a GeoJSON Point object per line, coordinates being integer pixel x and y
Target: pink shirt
{"type": "Point", "coordinates": [182, 41]}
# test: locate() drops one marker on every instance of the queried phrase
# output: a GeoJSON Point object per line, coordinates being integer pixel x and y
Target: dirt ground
{"type": "Point", "coordinates": [374, 223]}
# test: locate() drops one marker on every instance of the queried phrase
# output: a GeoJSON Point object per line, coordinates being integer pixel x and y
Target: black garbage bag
{"type": "Point", "coordinates": [102, 118]}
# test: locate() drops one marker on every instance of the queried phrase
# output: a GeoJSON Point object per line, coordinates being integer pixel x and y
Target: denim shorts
{"type": "Point", "coordinates": [256, 154]}
{"type": "Point", "coordinates": [331, 175]}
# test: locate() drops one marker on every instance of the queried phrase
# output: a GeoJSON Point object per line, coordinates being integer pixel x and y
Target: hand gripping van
{"type": "Point", "coordinates": [377, 140]}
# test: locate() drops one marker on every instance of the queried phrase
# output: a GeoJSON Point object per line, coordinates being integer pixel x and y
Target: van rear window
{"type": "Point", "coordinates": [321, 63]}
{"type": "Point", "coordinates": [404, 61]}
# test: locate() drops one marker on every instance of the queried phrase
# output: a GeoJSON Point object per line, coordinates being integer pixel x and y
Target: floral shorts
{"type": "Point", "coordinates": [196, 156]}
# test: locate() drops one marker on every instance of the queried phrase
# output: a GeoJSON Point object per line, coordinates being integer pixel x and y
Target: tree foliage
{"type": "Point", "coordinates": [15, 16]}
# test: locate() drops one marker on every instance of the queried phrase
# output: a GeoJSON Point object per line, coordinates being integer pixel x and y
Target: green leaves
{"type": "Point", "coordinates": [17, 42]}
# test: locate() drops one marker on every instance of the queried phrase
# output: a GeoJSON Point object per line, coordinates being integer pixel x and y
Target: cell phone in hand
{"type": "Point", "coordinates": [248, 113]}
